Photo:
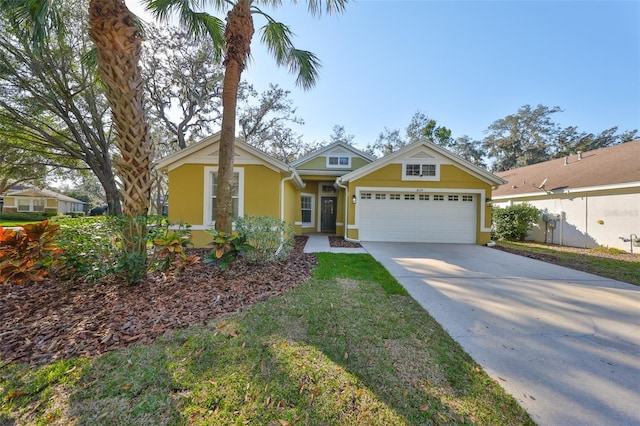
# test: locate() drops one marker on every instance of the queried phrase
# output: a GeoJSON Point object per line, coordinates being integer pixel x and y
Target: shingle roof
{"type": "Point", "coordinates": [615, 165]}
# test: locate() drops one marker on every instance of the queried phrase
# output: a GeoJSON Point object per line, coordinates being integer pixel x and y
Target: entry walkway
{"type": "Point", "coordinates": [320, 243]}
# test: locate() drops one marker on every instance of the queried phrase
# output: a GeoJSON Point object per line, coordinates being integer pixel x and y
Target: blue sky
{"type": "Point", "coordinates": [463, 63]}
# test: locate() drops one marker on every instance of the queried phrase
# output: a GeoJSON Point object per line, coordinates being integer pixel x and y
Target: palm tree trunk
{"type": "Point", "coordinates": [119, 43]}
{"type": "Point", "coordinates": [239, 32]}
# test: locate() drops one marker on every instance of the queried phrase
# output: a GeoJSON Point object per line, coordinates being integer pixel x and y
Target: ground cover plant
{"type": "Point", "coordinates": [338, 348]}
{"type": "Point", "coordinates": [606, 262]}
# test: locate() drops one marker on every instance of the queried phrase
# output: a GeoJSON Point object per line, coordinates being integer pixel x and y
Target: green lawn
{"type": "Point", "coordinates": [599, 261]}
{"type": "Point", "coordinates": [348, 347]}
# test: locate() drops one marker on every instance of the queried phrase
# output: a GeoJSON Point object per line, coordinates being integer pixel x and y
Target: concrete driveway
{"type": "Point", "coordinates": [564, 343]}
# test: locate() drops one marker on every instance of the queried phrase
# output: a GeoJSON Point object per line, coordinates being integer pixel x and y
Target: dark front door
{"type": "Point", "coordinates": [328, 214]}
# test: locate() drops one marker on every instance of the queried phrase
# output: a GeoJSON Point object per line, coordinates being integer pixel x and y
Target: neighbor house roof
{"type": "Point", "coordinates": [43, 193]}
{"type": "Point", "coordinates": [615, 166]}
{"type": "Point", "coordinates": [417, 146]}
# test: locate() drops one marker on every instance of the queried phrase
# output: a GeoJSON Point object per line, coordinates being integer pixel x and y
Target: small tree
{"type": "Point", "coordinates": [513, 222]}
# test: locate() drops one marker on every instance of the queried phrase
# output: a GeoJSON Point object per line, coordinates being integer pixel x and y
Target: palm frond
{"type": "Point", "coordinates": [197, 24]}
{"type": "Point", "coordinates": [306, 65]}
{"type": "Point", "coordinates": [330, 7]}
{"type": "Point", "coordinates": [38, 18]}
{"type": "Point", "coordinates": [277, 37]}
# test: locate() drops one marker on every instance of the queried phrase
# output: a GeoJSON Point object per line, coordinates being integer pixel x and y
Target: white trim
{"type": "Point", "coordinates": [304, 172]}
{"type": "Point", "coordinates": [313, 209]}
{"type": "Point", "coordinates": [480, 202]}
{"type": "Point", "coordinates": [322, 150]}
{"type": "Point", "coordinates": [208, 186]}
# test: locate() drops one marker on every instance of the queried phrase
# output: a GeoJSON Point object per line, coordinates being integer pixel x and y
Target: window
{"type": "Point", "coordinates": [467, 198]}
{"type": "Point", "coordinates": [438, 197]}
{"type": "Point", "coordinates": [409, 196]}
{"type": "Point", "coordinates": [211, 185]}
{"type": "Point", "coordinates": [38, 205]}
{"type": "Point", "coordinates": [423, 197]}
{"type": "Point", "coordinates": [452, 198]}
{"type": "Point", "coordinates": [381, 196]}
{"type": "Point", "coordinates": [412, 170]}
{"type": "Point", "coordinates": [394, 196]}
{"type": "Point", "coordinates": [428, 170]}
{"type": "Point", "coordinates": [328, 188]}
{"type": "Point", "coordinates": [306, 206]}
{"type": "Point", "coordinates": [365, 196]}
{"type": "Point", "coordinates": [24, 205]}
{"type": "Point", "coordinates": [338, 161]}
{"type": "Point", "coordinates": [420, 171]}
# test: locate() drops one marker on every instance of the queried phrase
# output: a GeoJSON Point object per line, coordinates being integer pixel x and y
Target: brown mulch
{"type": "Point", "coordinates": [51, 320]}
{"type": "Point", "coordinates": [335, 241]}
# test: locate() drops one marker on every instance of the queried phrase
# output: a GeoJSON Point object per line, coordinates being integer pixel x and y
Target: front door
{"type": "Point", "coordinates": [328, 214]}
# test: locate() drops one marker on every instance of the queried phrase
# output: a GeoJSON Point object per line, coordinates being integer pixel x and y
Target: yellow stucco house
{"type": "Point", "coordinates": [420, 193]}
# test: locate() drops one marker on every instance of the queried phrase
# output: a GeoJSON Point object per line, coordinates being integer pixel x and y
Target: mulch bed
{"type": "Point", "coordinates": [340, 242]}
{"type": "Point", "coordinates": [51, 320]}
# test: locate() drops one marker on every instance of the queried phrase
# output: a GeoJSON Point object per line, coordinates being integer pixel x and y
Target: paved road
{"type": "Point", "coordinates": [564, 343]}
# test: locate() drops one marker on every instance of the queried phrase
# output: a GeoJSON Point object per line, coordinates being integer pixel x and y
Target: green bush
{"type": "Point", "coordinates": [90, 247]}
{"type": "Point", "coordinates": [271, 238]}
{"type": "Point", "coordinates": [27, 217]}
{"type": "Point", "coordinates": [512, 223]}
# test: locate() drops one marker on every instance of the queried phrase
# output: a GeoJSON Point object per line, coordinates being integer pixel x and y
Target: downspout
{"type": "Point", "coordinates": [346, 206]}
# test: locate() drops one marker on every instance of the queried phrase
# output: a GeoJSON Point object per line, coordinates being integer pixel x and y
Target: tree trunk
{"type": "Point", "coordinates": [119, 43]}
{"type": "Point", "coordinates": [238, 35]}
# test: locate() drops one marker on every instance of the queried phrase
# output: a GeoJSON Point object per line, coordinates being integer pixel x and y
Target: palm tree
{"type": "Point", "coordinates": [235, 39]}
{"type": "Point", "coordinates": [116, 34]}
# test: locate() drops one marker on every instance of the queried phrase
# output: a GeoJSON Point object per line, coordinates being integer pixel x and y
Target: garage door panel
{"type": "Point", "coordinates": [430, 219]}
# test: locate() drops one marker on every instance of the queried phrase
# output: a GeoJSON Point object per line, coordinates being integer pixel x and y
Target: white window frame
{"type": "Point", "coordinates": [31, 202]}
{"type": "Point", "coordinates": [338, 165]}
{"type": "Point", "coordinates": [313, 207]}
{"type": "Point", "coordinates": [421, 177]}
{"type": "Point", "coordinates": [207, 212]}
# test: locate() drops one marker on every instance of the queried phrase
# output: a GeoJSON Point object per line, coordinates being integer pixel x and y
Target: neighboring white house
{"type": "Point", "coordinates": [589, 199]}
{"type": "Point", "coordinates": [31, 199]}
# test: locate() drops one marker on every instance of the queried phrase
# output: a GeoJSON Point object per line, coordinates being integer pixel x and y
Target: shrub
{"type": "Point", "coordinates": [168, 247]}
{"type": "Point", "coordinates": [90, 247]}
{"type": "Point", "coordinates": [226, 248]}
{"type": "Point", "coordinates": [512, 223]}
{"type": "Point", "coordinates": [27, 217]}
{"type": "Point", "coordinates": [271, 238]}
{"type": "Point", "coordinates": [27, 254]}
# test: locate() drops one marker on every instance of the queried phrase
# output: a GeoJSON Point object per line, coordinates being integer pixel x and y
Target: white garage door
{"type": "Point", "coordinates": [417, 217]}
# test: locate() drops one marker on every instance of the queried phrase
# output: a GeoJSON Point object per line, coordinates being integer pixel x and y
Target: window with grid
{"type": "Point", "coordinates": [467, 198]}
{"type": "Point", "coordinates": [381, 196]}
{"type": "Point", "coordinates": [394, 196]}
{"type": "Point", "coordinates": [234, 194]}
{"type": "Point", "coordinates": [452, 198]}
{"type": "Point", "coordinates": [365, 196]}
{"type": "Point", "coordinates": [423, 197]}
{"type": "Point", "coordinates": [428, 170]}
{"type": "Point", "coordinates": [412, 170]}
{"type": "Point", "coordinates": [339, 161]}
{"type": "Point", "coordinates": [409, 196]}
{"type": "Point", "coordinates": [306, 205]}
{"type": "Point", "coordinates": [438, 197]}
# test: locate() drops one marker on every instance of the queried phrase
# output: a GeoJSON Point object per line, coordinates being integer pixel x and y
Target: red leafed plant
{"type": "Point", "coordinates": [27, 254]}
